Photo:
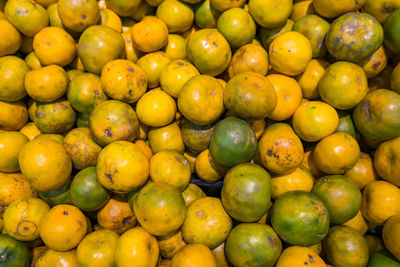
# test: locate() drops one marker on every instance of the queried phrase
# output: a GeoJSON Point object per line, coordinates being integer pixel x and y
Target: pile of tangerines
{"type": "Point", "coordinates": [199, 133]}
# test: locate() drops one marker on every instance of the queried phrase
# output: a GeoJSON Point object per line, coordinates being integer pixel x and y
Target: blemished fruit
{"type": "Point", "coordinates": [233, 141]}
{"type": "Point", "coordinates": [254, 244]}
{"type": "Point", "coordinates": [246, 192]}
{"type": "Point", "coordinates": [346, 36]}
{"type": "Point", "coordinates": [199, 133]}
{"type": "Point", "coordinates": [300, 218]}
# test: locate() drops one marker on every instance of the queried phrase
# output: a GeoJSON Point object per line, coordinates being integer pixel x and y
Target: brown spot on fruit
{"type": "Point", "coordinates": [310, 258]}
{"type": "Point", "coordinates": [366, 109]}
{"type": "Point", "coordinates": [108, 132]}
{"type": "Point", "coordinates": [108, 176]}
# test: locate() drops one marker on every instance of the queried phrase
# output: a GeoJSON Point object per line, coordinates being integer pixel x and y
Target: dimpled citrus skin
{"type": "Point", "coordinates": [354, 36]}
{"type": "Point", "coordinates": [209, 51]}
{"type": "Point", "coordinates": [45, 164]}
{"type": "Point", "coordinates": [290, 53]}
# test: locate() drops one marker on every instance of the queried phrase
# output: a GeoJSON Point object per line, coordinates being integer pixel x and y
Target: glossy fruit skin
{"type": "Point", "coordinates": [86, 192]}
{"type": "Point", "coordinates": [137, 246]}
{"type": "Point", "coordinates": [343, 85]}
{"type": "Point", "coordinates": [277, 14]}
{"type": "Point", "coordinates": [175, 74]}
{"type": "Point", "coordinates": [170, 167]}
{"type": "Point", "coordinates": [63, 227]}
{"type": "Point", "coordinates": [250, 96]}
{"type": "Point", "coordinates": [237, 26]}
{"type": "Point", "coordinates": [122, 167]}
{"type": "Point", "coordinates": [354, 36]}
{"type": "Point", "coordinates": [81, 147]}
{"type": "Point", "coordinates": [296, 256]}
{"type": "Point", "coordinates": [99, 45]}
{"type": "Point", "coordinates": [113, 120]}
{"type": "Point", "coordinates": [53, 45]}
{"type": "Point", "coordinates": [166, 138]}
{"type": "Point", "coordinates": [390, 234]}
{"type": "Point", "coordinates": [386, 161]}
{"type": "Point", "coordinates": [12, 75]}
{"type": "Point", "coordinates": [310, 78]}
{"type": "Point", "coordinates": [314, 28]}
{"type": "Point", "coordinates": [205, 15]}
{"type": "Point", "coordinates": [177, 16]}
{"type": "Point", "coordinates": [239, 196]}
{"type": "Point", "coordinates": [299, 179]}
{"type": "Point", "coordinates": [123, 80]}
{"type": "Point", "coordinates": [381, 9]}
{"type": "Point", "coordinates": [194, 255]}
{"type": "Point", "coordinates": [13, 115]}
{"type": "Point", "coordinates": [376, 116]}
{"type": "Point", "coordinates": [206, 94]}
{"type": "Point", "coordinates": [30, 20]}
{"type": "Point", "coordinates": [132, 54]}
{"type": "Point", "coordinates": [329, 153]}
{"type": "Point", "coordinates": [382, 258]}
{"type": "Point", "coordinates": [152, 65]}
{"type": "Point", "coordinates": [160, 208]}
{"type": "Point", "coordinates": [222, 6]}
{"type": "Point", "coordinates": [206, 223]}
{"type": "Point", "coordinates": [315, 120]}
{"type": "Point", "coordinates": [290, 53]}
{"type": "Point", "coordinates": [110, 19]}
{"type": "Point", "coordinates": [391, 27]}
{"type": "Point", "coordinates": [345, 246]}
{"type": "Point", "coordinates": [249, 57]}
{"type": "Point", "coordinates": [209, 51]}
{"type": "Point", "coordinates": [150, 34]}
{"type": "Point", "coordinates": [55, 117]}
{"type": "Point", "coordinates": [206, 168]}
{"type": "Point", "coordinates": [289, 96]}
{"type": "Point", "coordinates": [358, 223]}
{"type": "Point", "coordinates": [363, 172]}
{"type": "Point", "coordinates": [292, 225]}
{"type": "Point", "coordinates": [123, 8]}
{"type": "Point", "coordinates": [11, 143]}
{"type": "Point", "coordinates": [280, 149]}
{"type": "Point", "coordinates": [14, 187]}
{"type": "Point", "coordinates": [46, 84]}
{"type": "Point", "coordinates": [346, 125]}
{"type": "Point", "coordinates": [30, 130]}
{"type": "Point", "coordinates": [15, 253]}
{"type": "Point", "coordinates": [85, 92]}
{"type": "Point", "coordinates": [156, 108]}
{"type": "Point", "coordinates": [97, 248]}
{"type": "Point", "coordinates": [13, 40]}
{"type": "Point", "coordinates": [341, 197]}
{"type": "Point", "coordinates": [51, 257]}
{"type": "Point", "coordinates": [253, 244]}
{"type": "Point", "coordinates": [266, 36]}
{"type": "Point", "coordinates": [332, 8]}
{"type": "Point", "coordinates": [78, 15]}
{"type": "Point", "coordinates": [192, 193]}
{"type": "Point", "coordinates": [22, 218]}
{"type": "Point", "coordinates": [232, 142]}
{"type": "Point", "coordinates": [45, 164]}
{"type": "Point", "coordinates": [378, 202]}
